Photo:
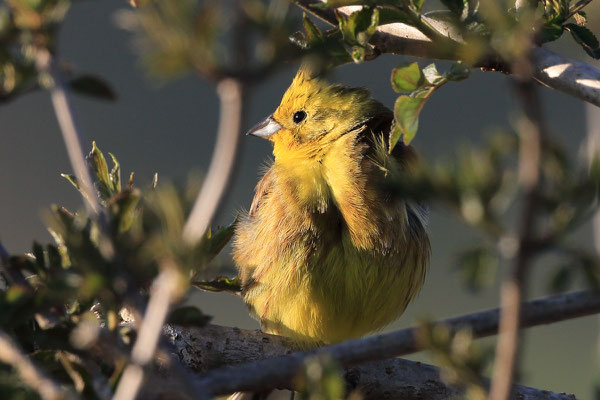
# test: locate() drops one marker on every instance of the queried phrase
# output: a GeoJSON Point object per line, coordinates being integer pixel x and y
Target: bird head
{"type": "Point", "coordinates": [314, 113]}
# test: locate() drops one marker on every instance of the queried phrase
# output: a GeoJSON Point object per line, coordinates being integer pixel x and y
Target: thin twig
{"type": "Point", "coordinates": [578, 7]}
{"type": "Point", "coordinates": [231, 95]}
{"type": "Point", "coordinates": [64, 113]}
{"type": "Point", "coordinates": [281, 371]}
{"type": "Point", "coordinates": [514, 289]}
{"type": "Point", "coordinates": [572, 77]}
{"type": "Point", "coordinates": [165, 285]}
{"type": "Point", "coordinates": [30, 374]}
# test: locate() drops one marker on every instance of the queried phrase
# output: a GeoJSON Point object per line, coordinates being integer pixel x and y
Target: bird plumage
{"type": "Point", "coordinates": [327, 251]}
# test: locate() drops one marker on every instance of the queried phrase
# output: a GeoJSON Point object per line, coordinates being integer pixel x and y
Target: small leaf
{"type": "Point", "coordinates": [550, 31]}
{"type": "Point", "coordinates": [418, 4]}
{"type": "Point", "coordinates": [580, 18]}
{"type": "Point", "coordinates": [93, 86]}
{"type": "Point", "coordinates": [188, 316]}
{"type": "Point", "coordinates": [115, 173]}
{"type": "Point", "coordinates": [313, 33]}
{"type": "Point", "coordinates": [123, 208]}
{"type": "Point", "coordinates": [406, 116]}
{"type": "Point", "coordinates": [407, 77]}
{"type": "Point", "coordinates": [431, 74]}
{"type": "Point", "coordinates": [100, 167]}
{"type": "Point", "coordinates": [217, 240]}
{"type": "Point", "coordinates": [72, 179]}
{"type": "Point", "coordinates": [458, 72]}
{"type": "Point", "coordinates": [585, 38]}
{"type": "Point", "coordinates": [220, 284]}
{"type": "Point", "coordinates": [389, 15]}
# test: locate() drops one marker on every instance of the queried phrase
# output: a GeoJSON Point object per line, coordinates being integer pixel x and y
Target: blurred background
{"type": "Point", "coordinates": [170, 129]}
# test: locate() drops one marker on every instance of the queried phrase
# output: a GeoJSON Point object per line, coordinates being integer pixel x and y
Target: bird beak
{"type": "Point", "coordinates": [265, 128]}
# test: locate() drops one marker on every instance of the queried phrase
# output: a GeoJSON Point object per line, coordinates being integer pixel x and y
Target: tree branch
{"type": "Point", "coordinates": [574, 78]}
{"type": "Point", "coordinates": [45, 64]}
{"type": "Point", "coordinates": [231, 95]}
{"type": "Point", "coordinates": [211, 347]}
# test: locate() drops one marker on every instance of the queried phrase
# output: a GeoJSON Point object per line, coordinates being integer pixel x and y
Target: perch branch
{"type": "Point", "coordinates": [572, 77]}
{"type": "Point", "coordinates": [394, 378]}
{"type": "Point", "coordinates": [47, 389]}
{"type": "Point", "coordinates": [228, 346]}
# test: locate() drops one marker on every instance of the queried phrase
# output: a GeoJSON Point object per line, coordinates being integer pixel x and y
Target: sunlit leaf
{"type": "Point", "coordinates": [406, 117]}
{"type": "Point", "coordinates": [407, 77]}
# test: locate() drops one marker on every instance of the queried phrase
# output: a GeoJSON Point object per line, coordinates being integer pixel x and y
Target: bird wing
{"type": "Point", "coordinates": [262, 189]}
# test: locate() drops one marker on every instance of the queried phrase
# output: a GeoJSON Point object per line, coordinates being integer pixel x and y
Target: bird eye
{"type": "Point", "coordinates": [299, 116]}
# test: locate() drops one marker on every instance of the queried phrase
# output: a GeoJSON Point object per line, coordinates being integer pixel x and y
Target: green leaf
{"type": "Point", "coordinates": [406, 117]}
{"type": "Point", "coordinates": [432, 75]}
{"type": "Point", "coordinates": [458, 72]}
{"type": "Point", "coordinates": [216, 241]}
{"type": "Point", "coordinates": [72, 179]}
{"type": "Point", "coordinates": [550, 31]}
{"type": "Point", "coordinates": [115, 173]}
{"type": "Point", "coordinates": [390, 15]}
{"type": "Point", "coordinates": [98, 163]}
{"type": "Point", "coordinates": [407, 77]}
{"type": "Point", "coordinates": [188, 316]}
{"type": "Point", "coordinates": [313, 33]}
{"type": "Point", "coordinates": [417, 4]}
{"type": "Point", "coordinates": [123, 208]}
{"type": "Point", "coordinates": [220, 284]}
{"type": "Point", "coordinates": [585, 38]}
{"type": "Point", "coordinates": [93, 86]}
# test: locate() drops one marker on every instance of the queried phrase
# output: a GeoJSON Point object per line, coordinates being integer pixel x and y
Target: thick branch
{"type": "Point", "coordinates": [204, 349]}
{"type": "Point", "coordinates": [214, 346]}
{"type": "Point", "coordinates": [574, 78]}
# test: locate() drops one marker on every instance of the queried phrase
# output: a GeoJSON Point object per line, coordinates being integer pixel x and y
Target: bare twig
{"type": "Point", "coordinates": [64, 113]}
{"type": "Point", "coordinates": [575, 8]}
{"type": "Point", "coordinates": [514, 289]}
{"type": "Point", "coordinates": [575, 78]}
{"type": "Point", "coordinates": [231, 95]}
{"type": "Point", "coordinates": [165, 285]}
{"type": "Point", "coordinates": [280, 371]}
{"type": "Point", "coordinates": [47, 389]}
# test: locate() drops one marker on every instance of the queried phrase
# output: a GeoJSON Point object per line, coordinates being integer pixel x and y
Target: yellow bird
{"type": "Point", "coordinates": [328, 251]}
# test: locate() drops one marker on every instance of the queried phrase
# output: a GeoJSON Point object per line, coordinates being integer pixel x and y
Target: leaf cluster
{"type": "Point", "coordinates": [479, 186]}
{"type": "Point", "coordinates": [26, 28]}
{"type": "Point", "coordinates": [63, 301]}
